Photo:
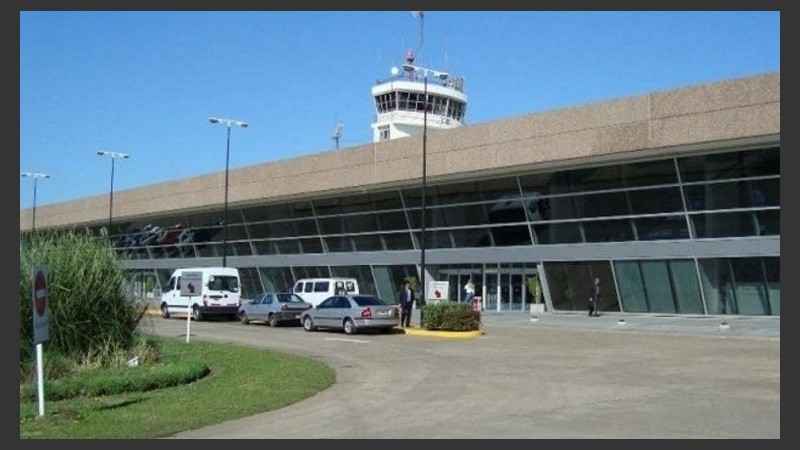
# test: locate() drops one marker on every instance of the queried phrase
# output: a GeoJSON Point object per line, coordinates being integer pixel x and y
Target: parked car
{"type": "Point", "coordinates": [273, 308]}
{"type": "Point", "coordinates": [351, 313]}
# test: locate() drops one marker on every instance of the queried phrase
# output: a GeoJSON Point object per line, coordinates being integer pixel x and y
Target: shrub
{"type": "Point", "coordinates": [448, 316]}
{"type": "Point", "coordinates": [89, 310]}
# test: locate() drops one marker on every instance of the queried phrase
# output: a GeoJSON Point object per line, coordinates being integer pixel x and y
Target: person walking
{"type": "Point", "coordinates": [406, 300]}
{"type": "Point", "coordinates": [469, 291]}
{"type": "Point", "coordinates": [594, 298]}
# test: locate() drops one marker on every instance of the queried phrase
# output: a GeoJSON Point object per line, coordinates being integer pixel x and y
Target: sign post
{"type": "Point", "coordinates": [41, 326]}
{"type": "Point", "coordinates": [191, 283]}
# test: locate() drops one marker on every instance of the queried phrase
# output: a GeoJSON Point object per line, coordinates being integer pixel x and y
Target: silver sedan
{"type": "Point", "coordinates": [351, 313]}
{"type": "Point", "coordinates": [273, 308]}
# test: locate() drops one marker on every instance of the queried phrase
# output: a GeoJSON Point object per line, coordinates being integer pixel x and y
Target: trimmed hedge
{"type": "Point", "coordinates": [449, 316]}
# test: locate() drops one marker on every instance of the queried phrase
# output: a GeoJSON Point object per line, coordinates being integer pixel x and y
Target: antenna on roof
{"type": "Point", "coordinates": [421, 15]}
{"type": "Point", "coordinates": [337, 133]}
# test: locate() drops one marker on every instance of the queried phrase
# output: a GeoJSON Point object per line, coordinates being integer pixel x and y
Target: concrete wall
{"type": "Point", "coordinates": [667, 122]}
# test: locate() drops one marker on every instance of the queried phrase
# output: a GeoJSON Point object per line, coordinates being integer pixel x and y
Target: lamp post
{"type": "Point", "coordinates": [228, 123]}
{"type": "Point", "coordinates": [113, 156]}
{"type": "Point", "coordinates": [35, 177]}
{"type": "Point", "coordinates": [422, 241]}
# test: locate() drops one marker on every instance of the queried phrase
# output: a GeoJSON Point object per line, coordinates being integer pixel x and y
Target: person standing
{"type": "Point", "coordinates": [594, 298]}
{"type": "Point", "coordinates": [406, 298]}
{"type": "Point", "coordinates": [469, 291]}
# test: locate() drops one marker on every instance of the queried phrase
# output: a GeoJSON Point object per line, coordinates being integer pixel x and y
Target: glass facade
{"type": "Point", "coordinates": [724, 200]}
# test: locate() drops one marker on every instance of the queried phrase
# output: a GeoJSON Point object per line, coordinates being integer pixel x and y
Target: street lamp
{"type": "Point", "coordinates": [227, 123]}
{"type": "Point", "coordinates": [113, 156]}
{"type": "Point", "coordinates": [422, 242]}
{"type": "Point", "coordinates": [35, 177]}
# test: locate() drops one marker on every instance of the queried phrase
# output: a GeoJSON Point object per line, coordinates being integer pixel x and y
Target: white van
{"type": "Point", "coordinates": [315, 290]}
{"type": "Point", "coordinates": [220, 294]}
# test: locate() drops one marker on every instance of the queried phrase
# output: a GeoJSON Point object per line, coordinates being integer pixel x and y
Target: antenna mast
{"type": "Point", "coordinates": [337, 133]}
{"type": "Point", "coordinates": [421, 15]}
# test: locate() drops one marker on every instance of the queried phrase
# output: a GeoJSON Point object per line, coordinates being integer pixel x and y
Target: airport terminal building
{"type": "Point", "coordinates": [671, 198]}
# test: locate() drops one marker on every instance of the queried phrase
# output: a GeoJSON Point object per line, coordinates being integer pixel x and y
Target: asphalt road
{"type": "Point", "coordinates": [518, 380]}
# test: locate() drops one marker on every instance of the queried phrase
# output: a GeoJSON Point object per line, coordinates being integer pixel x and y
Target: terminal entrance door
{"type": "Point", "coordinates": [507, 289]}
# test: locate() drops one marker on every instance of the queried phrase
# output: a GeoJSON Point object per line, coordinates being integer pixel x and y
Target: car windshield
{"type": "Point", "coordinates": [366, 300]}
{"type": "Point", "coordinates": [289, 298]}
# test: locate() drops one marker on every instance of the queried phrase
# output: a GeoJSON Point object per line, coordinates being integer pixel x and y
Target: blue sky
{"type": "Point", "coordinates": [145, 83]}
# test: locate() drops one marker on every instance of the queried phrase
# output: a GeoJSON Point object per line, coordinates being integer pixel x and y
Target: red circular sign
{"type": "Point", "coordinates": [40, 293]}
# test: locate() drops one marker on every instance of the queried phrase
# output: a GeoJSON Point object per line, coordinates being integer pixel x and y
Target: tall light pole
{"type": "Point", "coordinates": [228, 123]}
{"type": "Point", "coordinates": [422, 241]}
{"type": "Point", "coordinates": [113, 156]}
{"type": "Point", "coordinates": [35, 177]}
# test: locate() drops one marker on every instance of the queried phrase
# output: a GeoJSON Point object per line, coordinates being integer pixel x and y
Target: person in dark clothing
{"type": "Point", "coordinates": [594, 298]}
{"type": "Point", "coordinates": [406, 300]}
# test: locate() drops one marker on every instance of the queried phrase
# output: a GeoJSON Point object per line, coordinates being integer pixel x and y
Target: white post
{"type": "Point", "coordinates": [40, 378]}
{"type": "Point", "coordinates": [188, 316]}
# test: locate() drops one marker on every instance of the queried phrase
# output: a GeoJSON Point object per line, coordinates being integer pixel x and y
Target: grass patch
{"type": "Point", "coordinates": [242, 381]}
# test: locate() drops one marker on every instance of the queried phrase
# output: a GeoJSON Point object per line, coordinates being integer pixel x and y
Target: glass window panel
{"type": "Point", "coordinates": [737, 194]}
{"type": "Point", "coordinates": [438, 239]}
{"type": "Point", "coordinates": [715, 278]}
{"type": "Point", "coordinates": [395, 220]}
{"type": "Point", "coordinates": [552, 208]}
{"type": "Point", "coordinates": [236, 232]}
{"type": "Point", "coordinates": [276, 279]}
{"type": "Point", "coordinates": [251, 284]}
{"type": "Point", "coordinates": [657, 285]}
{"type": "Point", "coordinates": [507, 211]}
{"type": "Point", "coordinates": [649, 173]}
{"type": "Point", "coordinates": [772, 267]}
{"type": "Point", "coordinates": [631, 286]}
{"type": "Point", "coordinates": [768, 223]}
{"type": "Point", "coordinates": [594, 179]}
{"type": "Point", "coordinates": [368, 242]}
{"type": "Point", "coordinates": [568, 283]}
{"type": "Point", "coordinates": [511, 235]}
{"type": "Point", "coordinates": [765, 192]}
{"type": "Point", "coordinates": [653, 201]}
{"type": "Point", "coordinates": [716, 225]}
{"type": "Point", "coordinates": [239, 248]}
{"type": "Point", "coordinates": [601, 205]}
{"type": "Point", "coordinates": [277, 212]}
{"type": "Point", "coordinates": [265, 247]}
{"type": "Point", "coordinates": [361, 223]}
{"type": "Point", "coordinates": [310, 245]}
{"type": "Point", "coordinates": [211, 249]}
{"type": "Point", "coordinates": [608, 230]}
{"type": "Point", "coordinates": [558, 233]}
{"type": "Point", "coordinates": [538, 184]}
{"type": "Point", "coordinates": [751, 293]}
{"type": "Point", "coordinates": [287, 246]}
{"type": "Point", "coordinates": [730, 165]}
{"type": "Point", "coordinates": [473, 237]}
{"type": "Point", "coordinates": [339, 244]}
{"type": "Point", "coordinates": [687, 288]}
{"type": "Point", "coordinates": [332, 225]}
{"type": "Point", "coordinates": [398, 241]}
{"type": "Point", "coordinates": [664, 227]}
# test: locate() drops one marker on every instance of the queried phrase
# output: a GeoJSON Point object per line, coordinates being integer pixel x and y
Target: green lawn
{"type": "Point", "coordinates": [242, 381]}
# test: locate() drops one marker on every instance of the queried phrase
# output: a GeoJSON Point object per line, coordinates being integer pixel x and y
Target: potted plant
{"type": "Point", "coordinates": [535, 289]}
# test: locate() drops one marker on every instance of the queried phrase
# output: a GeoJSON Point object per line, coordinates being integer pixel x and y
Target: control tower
{"type": "Point", "coordinates": [414, 94]}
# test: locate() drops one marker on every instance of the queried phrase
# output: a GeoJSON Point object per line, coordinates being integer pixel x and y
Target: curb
{"type": "Point", "coordinates": [413, 331]}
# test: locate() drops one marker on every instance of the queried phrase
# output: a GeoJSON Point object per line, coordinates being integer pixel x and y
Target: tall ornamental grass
{"type": "Point", "coordinates": [90, 313]}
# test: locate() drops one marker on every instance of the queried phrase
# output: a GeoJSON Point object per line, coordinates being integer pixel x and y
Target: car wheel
{"type": "Point", "coordinates": [272, 320]}
{"type": "Point", "coordinates": [197, 314]}
{"type": "Point", "coordinates": [243, 317]}
{"type": "Point", "coordinates": [164, 311]}
{"type": "Point", "coordinates": [308, 324]}
{"type": "Point", "coordinates": [349, 326]}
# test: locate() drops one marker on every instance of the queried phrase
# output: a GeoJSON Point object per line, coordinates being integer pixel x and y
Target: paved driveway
{"type": "Point", "coordinates": [519, 380]}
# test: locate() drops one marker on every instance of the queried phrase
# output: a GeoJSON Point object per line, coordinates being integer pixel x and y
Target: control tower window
{"type": "Point", "coordinates": [383, 133]}
{"type": "Point", "coordinates": [385, 102]}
